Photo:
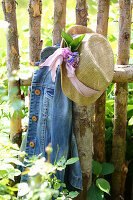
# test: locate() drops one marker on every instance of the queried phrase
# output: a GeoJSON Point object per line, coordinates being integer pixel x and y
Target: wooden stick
{"type": "Point", "coordinates": [121, 98]}
{"type": "Point", "coordinates": [99, 105]}
{"type": "Point", "coordinates": [122, 74]}
{"type": "Point", "coordinates": [81, 12]}
{"type": "Point", "coordinates": [84, 136]}
{"type": "Point", "coordinates": [9, 9]}
{"type": "Point", "coordinates": [82, 121]}
{"type": "Point", "coordinates": [102, 17]}
{"type": "Point", "coordinates": [59, 20]}
{"type": "Point", "coordinates": [35, 43]}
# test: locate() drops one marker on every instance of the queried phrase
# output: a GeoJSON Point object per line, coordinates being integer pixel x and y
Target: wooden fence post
{"type": "Point", "coordinates": [59, 20]}
{"type": "Point", "coordinates": [35, 43]}
{"type": "Point", "coordinates": [99, 105]}
{"type": "Point", "coordinates": [81, 12]}
{"type": "Point", "coordinates": [82, 120]}
{"type": "Point", "coordinates": [9, 9]}
{"type": "Point", "coordinates": [84, 136]}
{"type": "Point", "coordinates": [120, 111]}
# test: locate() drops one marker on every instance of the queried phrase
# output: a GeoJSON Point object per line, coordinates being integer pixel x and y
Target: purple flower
{"type": "Point", "coordinates": [73, 59]}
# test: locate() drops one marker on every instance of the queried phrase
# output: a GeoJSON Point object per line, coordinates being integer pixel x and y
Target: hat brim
{"type": "Point", "coordinates": [70, 91]}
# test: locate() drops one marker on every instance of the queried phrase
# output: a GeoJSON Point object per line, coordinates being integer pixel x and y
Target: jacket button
{"type": "Point", "coordinates": [32, 144]}
{"type": "Point", "coordinates": [37, 92]}
{"type": "Point", "coordinates": [34, 118]}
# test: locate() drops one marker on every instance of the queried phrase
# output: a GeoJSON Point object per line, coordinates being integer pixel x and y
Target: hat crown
{"type": "Point", "coordinates": [96, 62]}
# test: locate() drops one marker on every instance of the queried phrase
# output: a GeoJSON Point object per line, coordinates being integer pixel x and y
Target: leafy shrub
{"type": "Point", "coordinates": [99, 184]}
{"type": "Point", "coordinates": [43, 183]}
{"type": "Point", "coordinates": [8, 171]}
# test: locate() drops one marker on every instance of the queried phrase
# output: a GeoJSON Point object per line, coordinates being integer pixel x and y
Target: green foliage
{"type": "Point", "coordinates": [43, 182]}
{"type": "Point", "coordinates": [103, 185]}
{"type": "Point", "coordinates": [95, 193]}
{"type": "Point", "coordinates": [8, 171]}
{"type": "Point", "coordinates": [100, 185]}
{"type": "Point", "coordinates": [73, 44]}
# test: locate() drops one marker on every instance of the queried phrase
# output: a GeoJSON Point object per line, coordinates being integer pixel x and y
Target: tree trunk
{"type": "Point", "coordinates": [121, 98]}
{"type": "Point", "coordinates": [99, 129]}
{"type": "Point", "coordinates": [35, 42]}
{"type": "Point", "coordinates": [81, 12]}
{"type": "Point", "coordinates": [99, 105]}
{"type": "Point", "coordinates": [82, 121]}
{"type": "Point", "coordinates": [9, 9]}
{"type": "Point", "coordinates": [84, 137]}
{"type": "Point", "coordinates": [59, 20]}
{"type": "Point", "coordinates": [102, 17]}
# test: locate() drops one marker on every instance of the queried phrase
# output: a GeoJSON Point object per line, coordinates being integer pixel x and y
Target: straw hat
{"type": "Point", "coordinates": [96, 66]}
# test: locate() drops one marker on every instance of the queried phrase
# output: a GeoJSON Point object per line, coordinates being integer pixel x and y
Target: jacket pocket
{"type": "Point", "coordinates": [50, 93]}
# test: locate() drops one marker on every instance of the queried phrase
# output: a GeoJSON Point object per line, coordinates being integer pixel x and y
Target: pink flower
{"type": "Point", "coordinates": [66, 52]}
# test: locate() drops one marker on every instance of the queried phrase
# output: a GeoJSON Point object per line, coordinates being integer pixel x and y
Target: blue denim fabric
{"type": "Point", "coordinates": [53, 111]}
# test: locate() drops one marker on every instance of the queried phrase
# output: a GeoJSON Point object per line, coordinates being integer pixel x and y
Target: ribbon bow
{"type": "Point", "coordinates": [72, 61]}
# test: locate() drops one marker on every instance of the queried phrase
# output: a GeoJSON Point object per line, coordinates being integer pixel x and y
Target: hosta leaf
{"type": "Point", "coordinates": [94, 193]}
{"type": "Point", "coordinates": [96, 167]}
{"type": "Point", "coordinates": [130, 122]}
{"type": "Point", "coordinates": [103, 185]}
{"type": "Point", "coordinates": [107, 168]}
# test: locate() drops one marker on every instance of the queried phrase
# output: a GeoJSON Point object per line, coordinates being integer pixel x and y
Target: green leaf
{"type": "Point", "coordinates": [57, 186]}
{"type": "Point", "coordinates": [68, 38]}
{"type": "Point", "coordinates": [14, 160]}
{"type": "Point", "coordinates": [107, 168]}
{"type": "Point", "coordinates": [131, 45]}
{"type": "Point", "coordinates": [103, 185]}
{"type": "Point", "coordinates": [73, 194]}
{"type": "Point", "coordinates": [130, 122]}
{"type": "Point", "coordinates": [63, 185]}
{"type": "Point", "coordinates": [23, 189]}
{"type": "Point", "coordinates": [3, 174]}
{"type": "Point", "coordinates": [96, 167]}
{"type": "Point", "coordinates": [61, 162]}
{"type": "Point", "coordinates": [94, 193]}
{"type": "Point", "coordinates": [76, 42]}
{"type": "Point", "coordinates": [72, 160]}
{"type": "Point", "coordinates": [64, 191]}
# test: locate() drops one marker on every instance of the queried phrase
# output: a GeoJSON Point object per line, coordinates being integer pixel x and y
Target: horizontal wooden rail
{"type": "Point", "coordinates": [122, 74]}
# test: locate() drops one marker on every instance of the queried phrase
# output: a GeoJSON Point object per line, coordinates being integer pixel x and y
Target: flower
{"type": "Point", "coordinates": [66, 52]}
{"type": "Point", "coordinates": [73, 59]}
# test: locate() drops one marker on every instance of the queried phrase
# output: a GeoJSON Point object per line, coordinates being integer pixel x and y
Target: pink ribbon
{"type": "Point", "coordinates": [56, 59]}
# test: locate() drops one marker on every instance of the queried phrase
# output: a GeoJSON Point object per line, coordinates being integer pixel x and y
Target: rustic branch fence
{"type": "Point", "coordinates": [89, 120]}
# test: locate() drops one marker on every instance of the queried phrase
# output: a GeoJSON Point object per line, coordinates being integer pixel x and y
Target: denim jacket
{"type": "Point", "coordinates": [50, 120]}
